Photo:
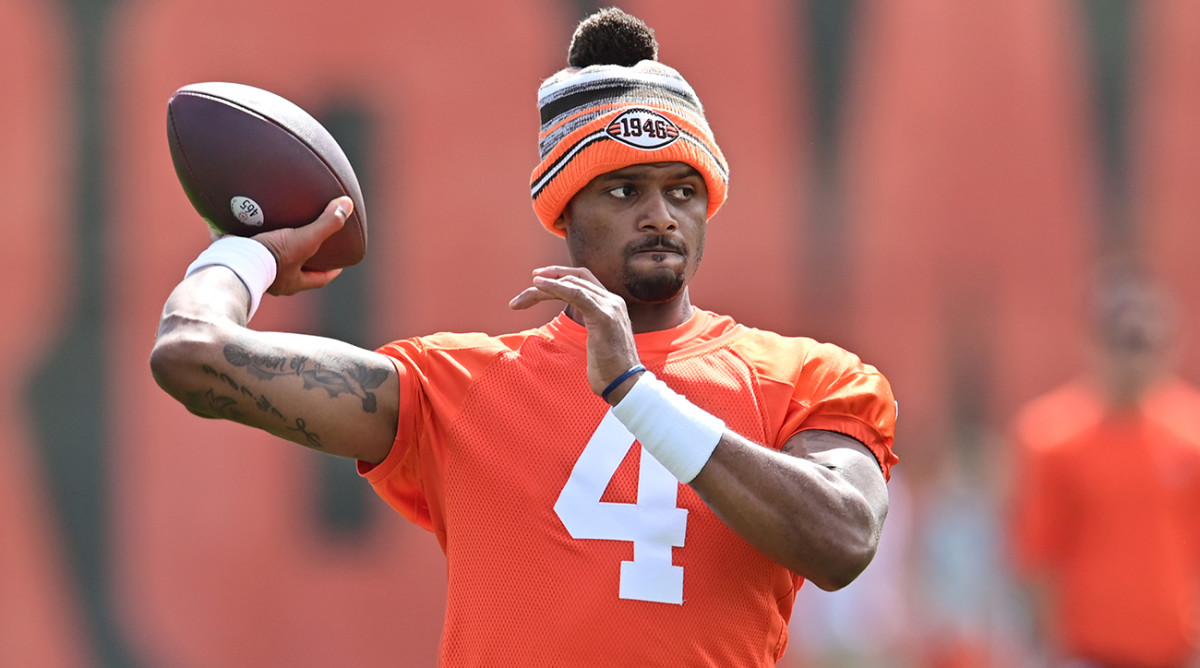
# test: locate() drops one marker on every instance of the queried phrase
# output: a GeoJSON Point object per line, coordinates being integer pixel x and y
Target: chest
{"type": "Point", "coordinates": [543, 473]}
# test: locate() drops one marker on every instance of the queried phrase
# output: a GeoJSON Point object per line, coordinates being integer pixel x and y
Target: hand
{"type": "Point", "coordinates": [292, 247]}
{"type": "Point", "coordinates": [611, 350]}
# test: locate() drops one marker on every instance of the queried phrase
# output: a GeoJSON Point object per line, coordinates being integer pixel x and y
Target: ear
{"type": "Point", "coordinates": [561, 223]}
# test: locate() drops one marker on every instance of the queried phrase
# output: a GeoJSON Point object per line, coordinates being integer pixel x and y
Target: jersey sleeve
{"type": "Point", "coordinates": [832, 389]}
{"type": "Point", "coordinates": [397, 479]}
{"type": "Point", "coordinates": [436, 373]}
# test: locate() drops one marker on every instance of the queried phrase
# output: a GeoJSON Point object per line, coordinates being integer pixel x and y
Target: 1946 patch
{"type": "Point", "coordinates": [644, 129]}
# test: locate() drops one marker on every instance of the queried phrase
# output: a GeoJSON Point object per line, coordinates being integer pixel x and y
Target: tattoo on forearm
{"type": "Point", "coordinates": [312, 438]}
{"type": "Point", "coordinates": [357, 379]}
{"type": "Point", "coordinates": [223, 406]}
{"type": "Point", "coordinates": [210, 404]}
{"type": "Point", "coordinates": [260, 400]}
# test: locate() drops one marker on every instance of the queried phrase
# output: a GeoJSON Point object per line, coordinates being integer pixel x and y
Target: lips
{"type": "Point", "coordinates": [661, 249]}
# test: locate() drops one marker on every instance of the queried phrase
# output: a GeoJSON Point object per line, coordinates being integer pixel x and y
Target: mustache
{"type": "Point", "coordinates": [658, 242]}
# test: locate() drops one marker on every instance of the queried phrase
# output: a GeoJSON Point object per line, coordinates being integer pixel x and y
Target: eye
{"type": "Point", "coordinates": [682, 193]}
{"type": "Point", "coordinates": [623, 191]}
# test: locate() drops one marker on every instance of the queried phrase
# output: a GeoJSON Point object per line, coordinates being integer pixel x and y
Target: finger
{"type": "Point", "coordinates": [558, 271]}
{"type": "Point", "coordinates": [576, 286]}
{"type": "Point", "coordinates": [318, 279]}
{"type": "Point", "coordinates": [529, 297]}
{"type": "Point", "coordinates": [592, 302]}
{"type": "Point", "coordinates": [572, 289]}
{"type": "Point", "coordinates": [554, 269]}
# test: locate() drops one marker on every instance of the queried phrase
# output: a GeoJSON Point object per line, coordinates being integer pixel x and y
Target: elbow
{"type": "Point", "coordinates": [844, 568]}
{"type": "Point", "coordinates": [847, 552]}
{"type": "Point", "coordinates": [166, 361]}
{"type": "Point", "coordinates": [177, 357]}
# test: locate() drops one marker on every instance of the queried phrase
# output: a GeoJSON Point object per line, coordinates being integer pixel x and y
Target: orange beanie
{"type": "Point", "coordinates": [601, 117]}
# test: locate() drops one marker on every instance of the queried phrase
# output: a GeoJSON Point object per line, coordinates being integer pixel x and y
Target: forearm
{"type": "Point", "coordinates": [807, 516]}
{"type": "Point", "coordinates": [817, 507]}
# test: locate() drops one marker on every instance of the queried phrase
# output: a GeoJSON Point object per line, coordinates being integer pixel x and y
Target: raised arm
{"type": "Point", "coordinates": [816, 507]}
{"type": "Point", "coordinates": [321, 393]}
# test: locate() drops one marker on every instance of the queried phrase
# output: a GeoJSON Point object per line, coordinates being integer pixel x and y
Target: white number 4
{"type": "Point", "coordinates": [654, 524]}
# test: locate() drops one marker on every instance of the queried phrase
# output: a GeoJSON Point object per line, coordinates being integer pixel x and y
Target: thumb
{"type": "Point", "coordinates": [295, 245]}
{"type": "Point", "coordinates": [330, 221]}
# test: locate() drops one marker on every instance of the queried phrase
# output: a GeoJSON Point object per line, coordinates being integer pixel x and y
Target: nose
{"type": "Point", "coordinates": [657, 215]}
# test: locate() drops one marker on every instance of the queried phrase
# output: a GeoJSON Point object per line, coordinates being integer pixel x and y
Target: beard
{"type": "Point", "coordinates": [661, 286]}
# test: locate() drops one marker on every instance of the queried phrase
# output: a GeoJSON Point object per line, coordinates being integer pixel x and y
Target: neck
{"type": "Point", "coordinates": [1122, 394]}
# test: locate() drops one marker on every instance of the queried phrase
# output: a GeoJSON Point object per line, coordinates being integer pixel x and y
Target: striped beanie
{"type": "Point", "coordinates": [614, 106]}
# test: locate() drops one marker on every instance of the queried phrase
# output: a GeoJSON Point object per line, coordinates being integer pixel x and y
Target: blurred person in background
{"type": "Point", "coordinates": [1106, 494]}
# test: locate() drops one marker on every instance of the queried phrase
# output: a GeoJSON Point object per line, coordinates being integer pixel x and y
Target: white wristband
{"type": "Point", "coordinates": [253, 263]}
{"type": "Point", "coordinates": [678, 433]}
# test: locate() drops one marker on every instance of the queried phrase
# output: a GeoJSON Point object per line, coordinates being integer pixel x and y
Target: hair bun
{"type": "Point", "coordinates": [612, 37]}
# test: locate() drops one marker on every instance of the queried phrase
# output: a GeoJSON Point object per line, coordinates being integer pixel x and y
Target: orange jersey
{"type": "Point", "coordinates": [1106, 508]}
{"type": "Point", "coordinates": [533, 490]}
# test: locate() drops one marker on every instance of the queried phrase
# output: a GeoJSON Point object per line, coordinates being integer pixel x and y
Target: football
{"type": "Point", "coordinates": [251, 161]}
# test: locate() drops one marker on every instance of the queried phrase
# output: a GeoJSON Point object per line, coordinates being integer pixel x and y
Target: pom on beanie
{"type": "Point", "coordinates": [614, 106]}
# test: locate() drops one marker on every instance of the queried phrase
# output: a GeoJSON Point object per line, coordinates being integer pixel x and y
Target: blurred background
{"type": "Point", "coordinates": [930, 183]}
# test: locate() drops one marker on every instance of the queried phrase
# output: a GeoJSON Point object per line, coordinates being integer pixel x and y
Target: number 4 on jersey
{"type": "Point", "coordinates": [654, 524]}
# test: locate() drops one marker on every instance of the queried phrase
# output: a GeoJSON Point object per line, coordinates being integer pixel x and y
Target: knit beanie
{"type": "Point", "coordinates": [614, 106]}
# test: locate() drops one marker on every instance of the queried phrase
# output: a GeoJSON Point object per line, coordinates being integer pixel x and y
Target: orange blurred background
{"type": "Point", "coordinates": [929, 183]}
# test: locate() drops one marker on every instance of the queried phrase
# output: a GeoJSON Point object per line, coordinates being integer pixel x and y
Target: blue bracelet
{"type": "Point", "coordinates": [620, 379]}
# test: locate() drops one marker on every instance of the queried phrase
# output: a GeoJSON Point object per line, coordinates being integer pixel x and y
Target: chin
{"type": "Point", "coordinates": [658, 289]}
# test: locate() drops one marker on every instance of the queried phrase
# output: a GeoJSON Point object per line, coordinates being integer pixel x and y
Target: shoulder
{"type": "Point", "coordinates": [811, 368]}
{"type": "Point", "coordinates": [459, 348]}
{"type": "Point", "coordinates": [787, 358]}
{"type": "Point", "coordinates": [1175, 404]}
